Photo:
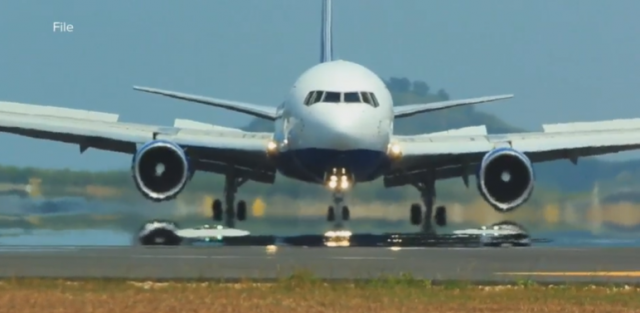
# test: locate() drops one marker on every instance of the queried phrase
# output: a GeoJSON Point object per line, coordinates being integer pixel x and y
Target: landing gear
{"type": "Point", "coordinates": [345, 213]}
{"type": "Point", "coordinates": [338, 202]}
{"type": "Point", "coordinates": [229, 211]}
{"type": "Point", "coordinates": [441, 216]}
{"type": "Point", "coordinates": [416, 214]}
{"type": "Point", "coordinates": [427, 192]}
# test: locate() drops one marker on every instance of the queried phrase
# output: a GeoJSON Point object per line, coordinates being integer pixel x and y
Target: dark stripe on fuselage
{"type": "Point", "coordinates": [311, 164]}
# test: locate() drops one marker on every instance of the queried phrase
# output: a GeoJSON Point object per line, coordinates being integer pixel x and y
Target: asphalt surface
{"type": "Point", "coordinates": [475, 264]}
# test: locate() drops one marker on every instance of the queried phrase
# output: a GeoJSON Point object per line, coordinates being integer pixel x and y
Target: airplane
{"type": "Point", "coordinates": [335, 129]}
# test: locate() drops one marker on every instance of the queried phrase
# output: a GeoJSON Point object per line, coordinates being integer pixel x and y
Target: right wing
{"type": "Point", "coordinates": [261, 111]}
{"type": "Point", "coordinates": [211, 149]}
{"type": "Point", "coordinates": [459, 153]}
{"type": "Point", "coordinates": [412, 109]}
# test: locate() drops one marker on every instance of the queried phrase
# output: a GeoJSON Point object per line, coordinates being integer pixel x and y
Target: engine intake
{"type": "Point", "coordinates": [160, 170]}
{"type": "Point", "coordinates": [505, 179]}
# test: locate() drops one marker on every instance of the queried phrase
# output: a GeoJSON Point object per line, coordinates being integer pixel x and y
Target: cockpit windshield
{"type": "Point", "coordinates": [341, 97]}
{"type": "Point", "coordinates": [352, 97]}
{"type": "Point", "coordinates": [313, 97]}
{"type": "Point", "coordinates": [331, 97]}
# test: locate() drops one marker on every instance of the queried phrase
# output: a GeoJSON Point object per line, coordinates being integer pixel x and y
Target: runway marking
{"type": "Point", "coordinates": [191, 256]}
{"type": "Point", "coordinates": [355, 258]}
{"type": "Point", "coordinates": [7, 249]}
{"type": "Point", "coordinates": [361, 258]}
{"type": "Point", "coordinates": [601, 274]}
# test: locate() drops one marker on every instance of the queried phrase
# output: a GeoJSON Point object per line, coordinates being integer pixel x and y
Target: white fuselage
{"type": "Point", "coordinates": [317, 137]}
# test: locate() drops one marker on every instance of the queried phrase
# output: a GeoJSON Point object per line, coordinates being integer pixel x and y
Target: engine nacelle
{"type": "Point", "coordinates": [160, 170]}
{"type": "Point", "coordinates": [159, 232]}
{"type": "Point", "coordinates": [505, 179]}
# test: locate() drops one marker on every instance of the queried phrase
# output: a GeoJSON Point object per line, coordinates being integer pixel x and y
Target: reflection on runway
{"type": "Point", "coordinates": [74, 254]}
{"type": "Point", "coordinates": [119, 238]}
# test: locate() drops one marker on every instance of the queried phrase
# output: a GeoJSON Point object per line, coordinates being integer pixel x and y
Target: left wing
{"type": "Point", "coordinates": [261, 111]}
{"type": "Point", "coordinates": [212, 149]}
{"type": "Point", "coordinates": [411, 109]}
{"type": "Point", "coordinates": [456, 155]}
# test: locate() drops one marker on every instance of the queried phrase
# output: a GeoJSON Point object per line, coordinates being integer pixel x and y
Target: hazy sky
{"type": "Point", "coordinates": [564, 60]}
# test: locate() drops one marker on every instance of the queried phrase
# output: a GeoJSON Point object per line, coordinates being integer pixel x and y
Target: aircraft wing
{"type": "Point", "coordinates": [210, 149]}
{"type": "Point", "coordinates": [261, 111]}
{"type": "Point", "coordinates": [411, 109]}
{"type": "Point", "coordinates": [458, 155]}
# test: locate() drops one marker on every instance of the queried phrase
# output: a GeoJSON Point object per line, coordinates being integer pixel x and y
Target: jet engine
{"type": "Point", "coordinates": [505, 179]}
{"type": "Point", "coordinates": [160, 170]}
{"type": "Point", "coordinates": [159, 232]}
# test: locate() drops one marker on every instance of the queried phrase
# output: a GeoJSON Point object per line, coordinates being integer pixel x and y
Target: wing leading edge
{"type": "Point", "coordinates": [261, 111]}
{"type": "Point", "coordinates": [210, 149]}
{"type": "Point", "coordinates": [452, 156]}
{"type": "Point", "coordinates": [412, 109]}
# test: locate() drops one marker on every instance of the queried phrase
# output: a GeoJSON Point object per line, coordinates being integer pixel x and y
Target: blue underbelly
{"type": "Point", "coordinates": [311, 164]}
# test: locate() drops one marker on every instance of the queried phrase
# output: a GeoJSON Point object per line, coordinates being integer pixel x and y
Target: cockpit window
{"type": "Point", "coordinates": [375, 100]}
{"type": "Point", "coordinates": [369, 98]}
{"type": "Point", "coordinates": [307, 99]}
{"type": "Point", "coordinates": [317, 97]}
{"type": "Point", "coordinates": [352, 97]}
{"type": "Point", "coordinates": [332, 97]}
{"type": "Point", "coordinates": [337, 97]}
{"type": "Point", "coordinates": [366, 98]}
{"type": "Point", "coordinates": [313, 97]}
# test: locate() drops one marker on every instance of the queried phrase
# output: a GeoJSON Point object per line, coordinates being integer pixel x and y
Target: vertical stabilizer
{"type": "Point", "coordinates": [326, 37]}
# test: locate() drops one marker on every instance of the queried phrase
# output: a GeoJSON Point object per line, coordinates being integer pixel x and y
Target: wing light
{"type": "Point", "coordinates": [272, 148]}
{"type": "Point", "coordinates": [394, 151]}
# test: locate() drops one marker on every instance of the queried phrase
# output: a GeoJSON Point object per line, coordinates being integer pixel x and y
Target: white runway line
{"type": "Point", "coordinates": [356, 258]}
{"type": "Point", "coordinates": [194, 256]}
{"type": "Point", "coordinates": [9, 249]}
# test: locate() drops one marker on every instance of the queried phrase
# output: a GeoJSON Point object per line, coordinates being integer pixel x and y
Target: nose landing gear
{"type": "Point", "coordinates": [338, 203]}
{"type": "Point", "coordinates": [338, 180]}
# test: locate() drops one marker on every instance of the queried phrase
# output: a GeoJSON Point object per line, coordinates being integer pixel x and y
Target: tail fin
{"type": "Point", "coordinates": [326, 39]}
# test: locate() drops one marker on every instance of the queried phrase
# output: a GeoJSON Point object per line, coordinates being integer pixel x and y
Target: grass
{"type": "Point", "coordinates": [304, 293]}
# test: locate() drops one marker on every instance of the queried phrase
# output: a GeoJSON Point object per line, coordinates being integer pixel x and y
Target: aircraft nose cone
{"type": "Point", "coordinates": [341, 139]}
{"type": "Point", "coordinates": [345, 131]}
{"type": "Point", "coordinates": [340, 127]}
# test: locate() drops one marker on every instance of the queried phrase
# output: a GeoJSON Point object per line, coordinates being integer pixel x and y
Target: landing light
{"type": "Point", "coordinates": [394, 150]}
{"type": "Point", "coordinates": [271, 146]}
{"type": "Point", "coordinates": [338, 183]}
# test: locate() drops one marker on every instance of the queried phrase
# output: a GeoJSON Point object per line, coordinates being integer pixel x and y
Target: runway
{"type": "Point", "coordinates": [469, 264]}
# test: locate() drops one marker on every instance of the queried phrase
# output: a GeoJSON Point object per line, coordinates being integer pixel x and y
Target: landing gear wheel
{"type": "Point", "coordinates": [331, 214]}
{"type": "Point", "coordinates": [241, 210]}
{"type": "Point", "coordinates": [416, 214]}
{"type": "Point", "coordinates": [345, 213]}
{"type": "Point", "coordinates": [216, 209]}
{"type": "Point", "coordinates": [441, 216]}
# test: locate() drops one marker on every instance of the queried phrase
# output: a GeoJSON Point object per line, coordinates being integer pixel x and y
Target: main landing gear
{"type": "Point", "coordinates": [338, 204]}
{"type": "Point", "coordinates": [230, 210]}
{"type": "Point", "coordinates": [427, 193]}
